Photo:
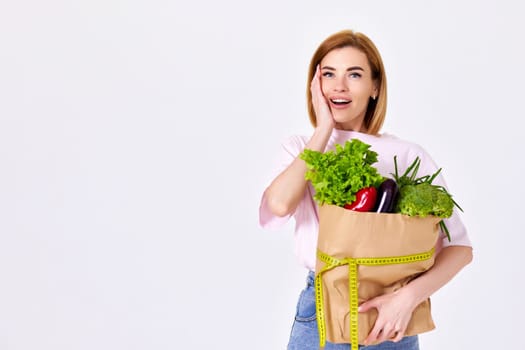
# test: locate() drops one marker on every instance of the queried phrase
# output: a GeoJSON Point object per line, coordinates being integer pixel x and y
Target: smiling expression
{"type": "Point", "coordinates": [346, 83]}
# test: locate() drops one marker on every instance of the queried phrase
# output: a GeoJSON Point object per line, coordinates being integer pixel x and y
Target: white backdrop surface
{"type": "Point", "coordinates": [135, 140]}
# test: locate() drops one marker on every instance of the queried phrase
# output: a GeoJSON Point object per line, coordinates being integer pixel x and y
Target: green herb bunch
{"type": "Point", "coordinates": [419, 197]}
{"type": "Point", "coordinates": [338, 175]}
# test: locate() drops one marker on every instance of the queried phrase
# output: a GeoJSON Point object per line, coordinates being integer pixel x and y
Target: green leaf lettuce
{"type": "Point", "coordinates": [337, 175]}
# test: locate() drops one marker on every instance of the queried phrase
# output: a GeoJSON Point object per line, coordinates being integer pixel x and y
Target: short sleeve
{"type": "Point", "coordinates": [289, 150]}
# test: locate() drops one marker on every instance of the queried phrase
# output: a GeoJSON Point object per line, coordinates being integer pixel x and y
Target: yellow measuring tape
{"type": "Point", "coordinates": [330, 263]}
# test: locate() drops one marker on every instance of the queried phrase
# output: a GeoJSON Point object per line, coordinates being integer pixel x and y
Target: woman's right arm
{"type": "Point", "coordinates": [287, 189]}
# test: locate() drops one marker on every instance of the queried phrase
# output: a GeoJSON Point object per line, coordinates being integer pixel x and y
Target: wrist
{"type": "Point", "coordinates": [320, 138]}
{"type": "Point", "coordinates": [411, 295]}
{"type": "Point", "coordinates": [323, 130]}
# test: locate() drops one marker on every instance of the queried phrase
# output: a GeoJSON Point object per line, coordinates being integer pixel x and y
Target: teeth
{"type": "Point", "coordinates": [338, 100]}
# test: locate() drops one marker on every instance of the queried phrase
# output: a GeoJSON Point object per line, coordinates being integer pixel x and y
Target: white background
{"type": "Point", "coordinates": [135, 141]}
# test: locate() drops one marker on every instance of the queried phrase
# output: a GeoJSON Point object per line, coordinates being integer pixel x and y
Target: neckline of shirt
{"type": "Point", "coordinates": [338, 133]}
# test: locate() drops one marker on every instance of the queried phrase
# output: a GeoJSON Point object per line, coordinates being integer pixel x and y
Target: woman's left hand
{"type": "Point", "coordinates": [394, 311]}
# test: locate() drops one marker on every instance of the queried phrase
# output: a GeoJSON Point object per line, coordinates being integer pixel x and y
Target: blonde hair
{"type": "Point", "coordinates": [376, 110]}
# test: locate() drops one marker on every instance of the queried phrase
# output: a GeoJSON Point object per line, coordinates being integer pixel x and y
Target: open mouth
{"type": "Point", "coordinates": [340, 101]}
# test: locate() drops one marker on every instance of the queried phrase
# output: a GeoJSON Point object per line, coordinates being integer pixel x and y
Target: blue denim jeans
{"type": "Point", "coordinates": [304, 335]}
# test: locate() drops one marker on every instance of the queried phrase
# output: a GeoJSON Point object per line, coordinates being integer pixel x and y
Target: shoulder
{"type": "Point", "coordinates": [393, 142]}
{"type": "Point", "coordinates": [294, 144]}
{"type": "Point", "coordinates": [411, 145]}
{"type": "Point", "coordinates": [405, 150]}
{"type": "Point", "coordinates": [396, 140]}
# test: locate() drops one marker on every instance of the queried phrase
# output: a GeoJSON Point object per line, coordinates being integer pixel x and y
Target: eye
{"type": "Point", "coordinates": [328, 74]}
{"type": "Point", "coordinates": [354, 75]}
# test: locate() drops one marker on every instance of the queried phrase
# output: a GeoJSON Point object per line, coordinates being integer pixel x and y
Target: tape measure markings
{"type": "Point", "coordinates": [332, 262]}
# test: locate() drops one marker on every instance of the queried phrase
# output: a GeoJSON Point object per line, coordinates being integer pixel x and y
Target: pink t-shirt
{"type": "Point", "coordinates": [306, 214]}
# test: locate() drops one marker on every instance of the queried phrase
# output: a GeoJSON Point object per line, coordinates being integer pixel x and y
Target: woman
{"type": "Point", "coordinates": [347, 98]}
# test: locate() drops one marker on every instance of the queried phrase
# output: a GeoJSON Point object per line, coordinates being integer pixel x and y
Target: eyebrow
{"type": "Point", "coordinates": [348, 69]}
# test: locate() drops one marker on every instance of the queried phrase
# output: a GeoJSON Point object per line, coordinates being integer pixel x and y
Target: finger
{"type": "Point", "coordinates": [319, 82]}
{"type": "Point", "coordinates": [316, 75]}
{"type": "Point", "coordinates": [398, 336]}
{"type": "Point", "coordinates": [314, 87]}
{"type": "Point", "coordinates": [400, 332]}
{"type": "Point", "coordinates": [367, 305]}
{"type": "Point", "coordinates": [386, 333]}
{"type": "Point", "coordinates": [373, 335]}
{"type": "Point", "coordinates": [318, 100]}
{"type": "Point", "coordinates": [316, 84]}
{"type": "Point", "coordinates": [363, 307]}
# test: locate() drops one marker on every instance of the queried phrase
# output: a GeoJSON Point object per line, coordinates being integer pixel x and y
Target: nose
{"type": "Point", "coordinates": [340, 85]}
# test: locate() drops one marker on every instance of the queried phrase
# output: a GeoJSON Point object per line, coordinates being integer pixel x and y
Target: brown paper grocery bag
{"type": "Point", "coordinates": [349, 234]}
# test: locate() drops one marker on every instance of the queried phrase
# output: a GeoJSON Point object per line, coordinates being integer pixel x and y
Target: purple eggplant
{"type": "Point", "coordinates": [386, 196]}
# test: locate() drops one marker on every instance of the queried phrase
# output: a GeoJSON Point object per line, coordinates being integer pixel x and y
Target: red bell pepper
{"type": "Point", "coordinates": [365, 200]}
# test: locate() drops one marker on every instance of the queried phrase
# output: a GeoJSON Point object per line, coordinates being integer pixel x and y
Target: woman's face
{"type": "Point", "coordinates": [346, 82]}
